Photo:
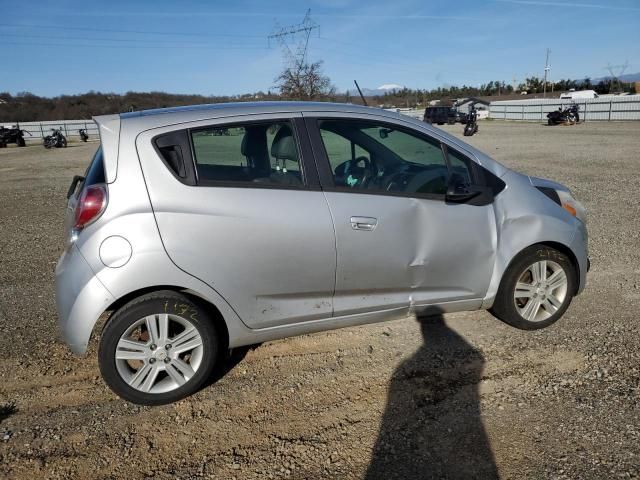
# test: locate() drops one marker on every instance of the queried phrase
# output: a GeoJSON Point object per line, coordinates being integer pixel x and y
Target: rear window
{"type": "Point", "coordinates": [95, 172]}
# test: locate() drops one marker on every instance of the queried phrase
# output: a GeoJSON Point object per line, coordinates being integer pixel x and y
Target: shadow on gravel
{"type": "Point", "coordinates": [7, 410]}
{"type": "Point", "coordinates": [229, 363]}
{"type": "Point", "coordinates": [432, 426]}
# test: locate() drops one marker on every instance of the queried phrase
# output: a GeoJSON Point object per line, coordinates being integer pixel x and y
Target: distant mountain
{"type": "Point", "coordinates": [627, 77]}
{"type": "Point", "coordinates": [376, 92]}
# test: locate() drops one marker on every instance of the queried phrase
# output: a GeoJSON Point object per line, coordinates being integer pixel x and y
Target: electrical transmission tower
{"type": "Point", "coordinates": [616, 71]}
{"type": "Point", "coordinates": [294, 39]}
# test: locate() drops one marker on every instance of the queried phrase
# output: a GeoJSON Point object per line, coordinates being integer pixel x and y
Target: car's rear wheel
{"type": "Point", "coordinates": [536, 289]}
{"type": "Point", "coordinates": [158, 349]}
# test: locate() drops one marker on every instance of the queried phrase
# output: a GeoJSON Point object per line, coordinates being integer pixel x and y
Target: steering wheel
{"type": "Point", "coordinates": [358, 175]}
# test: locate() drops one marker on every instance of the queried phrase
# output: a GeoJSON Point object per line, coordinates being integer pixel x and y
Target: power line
{"type": "Point", "coordinates": [366, 48]}
{"type": "Point", "coordinates": [124, 40]}
{"type": "Point", "coordinates": [86, 45]}
{"type": "Point", "coordinates": [138, 32]}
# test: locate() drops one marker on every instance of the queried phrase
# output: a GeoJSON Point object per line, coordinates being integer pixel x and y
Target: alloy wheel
{"type": "Point", "coordinates": [540, 291]}
{"type": "Point", "coordinates": [159, 353]}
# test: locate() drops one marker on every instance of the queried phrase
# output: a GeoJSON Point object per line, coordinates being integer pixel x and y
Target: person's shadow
{"type": "Point", "coordinates": [432, 426]}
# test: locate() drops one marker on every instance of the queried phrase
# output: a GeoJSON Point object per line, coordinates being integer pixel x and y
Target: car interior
{"type": "Point", "coordinates": [384, 169]}
{"type": "Point", "coordinates": [268, 155]}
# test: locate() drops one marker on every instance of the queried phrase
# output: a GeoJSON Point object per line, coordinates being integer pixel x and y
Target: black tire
{"type": "Point", "coordinates": [549, 122]}
{"type": "Point", "coordinates": [21, 142]}
{"type": "Point", "coordinates": [504, 306]}
{"type": "Point", "coordinates": [149, 304]}
{"type": "Point", "coordinates": [47, 144]}
{"type": "Point", "coordinates": [63, 142]}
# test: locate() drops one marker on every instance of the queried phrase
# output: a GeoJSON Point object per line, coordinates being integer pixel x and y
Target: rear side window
{"type": "Point", "coordinates": [175, 150]}
{"type": "Point", "coordinates": [252, 154]}
{"type": "Point", "coordinates": [95, 172]}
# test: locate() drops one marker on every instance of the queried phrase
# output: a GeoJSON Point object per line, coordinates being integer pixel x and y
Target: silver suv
{"type": "Point", "coordinates": [202, 229]}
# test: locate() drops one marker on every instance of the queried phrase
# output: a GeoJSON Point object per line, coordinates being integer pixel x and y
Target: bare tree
{"type": "Point", "coordinates": [304, 81]}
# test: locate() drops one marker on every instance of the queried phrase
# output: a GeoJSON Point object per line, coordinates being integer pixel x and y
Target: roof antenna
{"type": "Point", "coordinates": [360, 92]}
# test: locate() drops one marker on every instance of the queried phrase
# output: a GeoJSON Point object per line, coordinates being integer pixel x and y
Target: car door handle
{"type": "Point", "coordinates": [364, 223]}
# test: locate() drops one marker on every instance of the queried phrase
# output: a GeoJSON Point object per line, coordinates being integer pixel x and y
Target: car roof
{"type": "Point", "coordinates": [213, 110]}
{"type": "Point", "coordinates": [147, 119]}
{"type": "Point", "coordinates": [263, 107]}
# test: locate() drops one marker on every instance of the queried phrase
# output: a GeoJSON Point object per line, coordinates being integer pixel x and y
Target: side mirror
{"type": "Point", "coordinates": [384, 132]}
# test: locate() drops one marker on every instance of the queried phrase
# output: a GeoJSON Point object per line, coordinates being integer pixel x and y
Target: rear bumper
{"type": "Point", "coordinates": [80, 299]}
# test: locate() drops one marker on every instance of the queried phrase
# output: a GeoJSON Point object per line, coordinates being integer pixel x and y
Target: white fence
{"type": "Point", "coordinates": [410, 112]}
{"type": "Point", "coordinates": [39, 130]}
{"type": "Point", "coordinates": [625, 107]}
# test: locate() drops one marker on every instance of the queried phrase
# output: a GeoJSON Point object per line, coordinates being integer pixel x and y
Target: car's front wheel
{"type": "Point", "coordinates": [536, 289]}
{"type": "Point", "coordinates": [158, 349]}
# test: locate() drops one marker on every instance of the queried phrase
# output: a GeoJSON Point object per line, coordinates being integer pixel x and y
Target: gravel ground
{"type": "Point", "coordinates": [467, 397]}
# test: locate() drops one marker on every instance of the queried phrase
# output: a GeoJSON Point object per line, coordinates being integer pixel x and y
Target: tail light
{"type": "Point", "coordinates": [91, 204]}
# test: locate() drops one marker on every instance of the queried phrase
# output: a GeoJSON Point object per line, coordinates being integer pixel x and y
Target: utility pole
{"type": "Point", "coordinates": [546, 72]}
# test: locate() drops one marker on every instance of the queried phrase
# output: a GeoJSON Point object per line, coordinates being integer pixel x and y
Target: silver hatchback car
{"type": "Point", "coordinates": [206, 228]}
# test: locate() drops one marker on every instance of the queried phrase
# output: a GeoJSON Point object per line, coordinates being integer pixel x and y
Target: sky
{"type": "Point", "coordinates": [222, 48]}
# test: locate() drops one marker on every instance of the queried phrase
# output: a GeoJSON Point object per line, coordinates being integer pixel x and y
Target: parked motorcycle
{"type": "Point", "coordinates": [84, 136]}
{"type": "Point", "coordinates": [471, 126]}
{"type": "Point", "coordinates": [568, 116]}
{"type": "Point", "coordinates": [56, 139]}
{"type": "Point", "coordinates": [12, 135]}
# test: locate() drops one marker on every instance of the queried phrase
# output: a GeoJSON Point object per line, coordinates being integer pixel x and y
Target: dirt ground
{"type": "Point", "coordinates": [467, 397]}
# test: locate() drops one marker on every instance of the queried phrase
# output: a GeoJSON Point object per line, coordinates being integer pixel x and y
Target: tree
{"type": "Point", "coordinates": [603, 87]}
{"type": "Point", "coordinates": [304, 81]}
{"type": "Point", "coordinates": [586, 84]}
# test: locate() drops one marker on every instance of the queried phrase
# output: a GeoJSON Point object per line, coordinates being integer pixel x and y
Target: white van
{"type": "Point", "coordinates": [573, 95]}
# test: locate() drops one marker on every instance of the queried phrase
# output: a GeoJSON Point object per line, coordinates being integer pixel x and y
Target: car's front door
{"type": "Point", "coordinates": [399, 243]}
{"type": "Point", "coordinates": [251, 221]}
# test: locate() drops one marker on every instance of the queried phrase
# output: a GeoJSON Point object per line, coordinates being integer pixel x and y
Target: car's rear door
{"type": "Point", "coordinates": [399, 242]}
{"type": "Point", "coordinates": [245, 214]}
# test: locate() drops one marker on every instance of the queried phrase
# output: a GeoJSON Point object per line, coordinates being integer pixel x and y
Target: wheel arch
{"type": "Point", "coordinates": [565, 249]}
{"type": "Point", "coordinates": [559, 246]}
{"type": "Point", "coordinates": [214, 312]}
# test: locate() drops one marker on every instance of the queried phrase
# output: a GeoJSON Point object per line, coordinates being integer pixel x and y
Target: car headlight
{"type": "Point", "coordinates": [571, 205]}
